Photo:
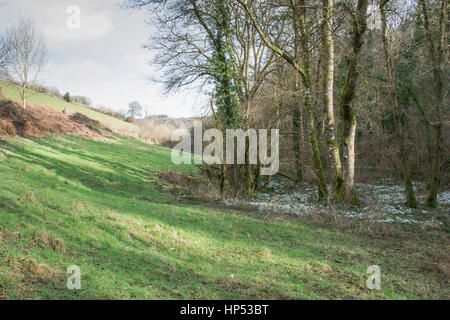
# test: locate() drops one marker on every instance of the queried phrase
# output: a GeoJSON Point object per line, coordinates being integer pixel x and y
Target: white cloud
{"type": "Point", "coordinates": [103, 60]}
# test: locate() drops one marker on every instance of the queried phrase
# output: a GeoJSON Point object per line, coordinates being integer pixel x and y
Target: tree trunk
{"type": "Point", "coordinates": [437, 57]}
{"type": "Point", "coordinates": [24, 97]}
{"type": "Point", "coordinates": [298, 130]}
{"type": "Point", "coordinates": [222, 181]}
{"type": "Point", "coordinates": [227, 107]}
{"type": "Point", "coordinates": [349, 134]}
{"type": "Point", "coordinates": [409, 190]}
{"type": "Point", "coordinates": [304, 50]}
{"type": "Point", "coordinates": [435, 169]}
{"type": "Point", "coordinates": [320, 178]}
{"type": "Point", "coordinates": [347, 110]}
{"type": "Point", "coordinates": [297, 121]}
{"type": "Point", "coordinates": [247, 167]}
{"type": "Point", "coordinates": [328, 100]}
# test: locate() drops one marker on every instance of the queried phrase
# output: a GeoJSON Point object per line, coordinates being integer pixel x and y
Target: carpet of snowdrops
{"type": "Point", "coordinates": [381, 202]}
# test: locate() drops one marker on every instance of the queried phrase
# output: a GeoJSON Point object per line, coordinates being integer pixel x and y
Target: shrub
{"type": "Point", "coordinates": [66, 97]}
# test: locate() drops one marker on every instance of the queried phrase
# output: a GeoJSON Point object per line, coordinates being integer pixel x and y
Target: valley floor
{"type": "Point", "coordinates": [379, 202]}
{"type": "Point", "coordinates": [95, 204]}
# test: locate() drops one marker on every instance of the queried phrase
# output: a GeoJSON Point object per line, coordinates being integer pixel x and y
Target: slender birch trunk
{"type": "Point", "coordinates": [320, 177]}
{"type": "Point", "coordinates": [328, 100]}
{"type": "Point", "coordinates": [24, 97]}
{"type": "Point", "coordinates": [347, 109]}
{"type": "Point", "coordinates": [297, 121]}
{"type": "Point", "coordinates": [438, 61]}
{"type": "Point", "coordinates": [409, 190]}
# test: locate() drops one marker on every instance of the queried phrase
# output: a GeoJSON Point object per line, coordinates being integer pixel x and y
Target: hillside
{"type": "Point", "coordinates": [103, 206]}
{"type": "Point", "coordinates": [10, 91]}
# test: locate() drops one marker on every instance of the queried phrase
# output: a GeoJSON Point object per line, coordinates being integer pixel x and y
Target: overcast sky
{"type": "Point", "coordinates": [104, 59]}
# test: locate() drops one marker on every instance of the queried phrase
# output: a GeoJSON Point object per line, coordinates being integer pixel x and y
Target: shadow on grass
{"type": "Point", "coordinates": [134, 259]}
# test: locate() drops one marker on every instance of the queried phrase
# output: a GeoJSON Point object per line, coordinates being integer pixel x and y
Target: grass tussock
{"type": "Point", "coordinates": [189, 187]}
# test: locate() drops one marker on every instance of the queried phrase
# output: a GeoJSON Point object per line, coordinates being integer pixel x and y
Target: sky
{"type": "Point", "coordinates": [104, 58]}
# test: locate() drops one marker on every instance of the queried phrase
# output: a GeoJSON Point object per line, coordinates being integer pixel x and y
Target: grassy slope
{"type": "Point", "coordinates": [67, 200]}
{"type": "Point", "coordinates": [10, 91]}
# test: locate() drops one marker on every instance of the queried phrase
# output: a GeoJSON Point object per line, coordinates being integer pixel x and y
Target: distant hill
{"type": "Point", "coordinates": [158, 129]}
{"type": "Point", "coordinates": [177, 123]}
{"type": "Point", "coordinates": [124, 128]}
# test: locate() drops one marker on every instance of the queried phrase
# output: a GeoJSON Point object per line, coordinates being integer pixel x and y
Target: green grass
{"type": "Point", "coordinates": [67, 200]}
{"type": "Point", "coordinates": [11, 92]}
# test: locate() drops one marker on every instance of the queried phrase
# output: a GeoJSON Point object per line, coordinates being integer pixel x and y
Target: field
{"type": "Point", "coordinates": [11, 91]}
{"type": "Point", "coordinates": [99, 204]}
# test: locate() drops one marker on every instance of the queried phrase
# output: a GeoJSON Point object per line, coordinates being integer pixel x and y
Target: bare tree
{"type": "Point", "coordinates": [252, 63]}
{"type": "Point", "coordinates": [348, 113]}
{"type": "Point", "coordinates": [134, 109]}
{"type": "Point", "coordinates": [5, 57]}
{"type": "Point", "coordinates": [27, 54]}
{"type": "Point", "coordinates": [438, 50]}
{"type": "Point", "coordinates": [303, 67]}
{"type": "Point", "coordinates": [409, 190]}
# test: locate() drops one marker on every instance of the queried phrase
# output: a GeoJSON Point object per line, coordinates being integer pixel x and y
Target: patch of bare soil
{"type": "Point", "coordinates": [88, 122]}
{"type": "Point", "coordinates": [37, 120]}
